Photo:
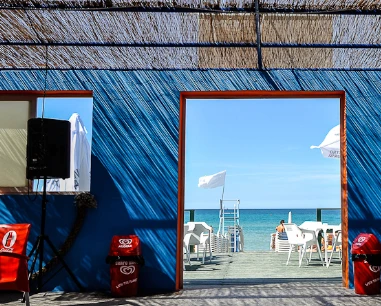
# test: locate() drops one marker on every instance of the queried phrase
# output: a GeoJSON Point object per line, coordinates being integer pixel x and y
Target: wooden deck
{"type": "Point", "coordinates": [258, 267]}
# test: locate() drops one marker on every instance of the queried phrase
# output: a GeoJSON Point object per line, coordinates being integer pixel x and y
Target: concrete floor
{"type": "Point", "coordinates": [259, 278]}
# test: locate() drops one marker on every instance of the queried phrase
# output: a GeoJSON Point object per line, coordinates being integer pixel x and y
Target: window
{"type": "Point", "coordinates": [13, 138]}
{"type": "Point", "coordinates": [78, 110]}
{"type": "Point", "coordinates": [16, 107]}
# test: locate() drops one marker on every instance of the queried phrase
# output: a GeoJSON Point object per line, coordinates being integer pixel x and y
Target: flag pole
{"type": "Point", "coordinates": [222, 198]}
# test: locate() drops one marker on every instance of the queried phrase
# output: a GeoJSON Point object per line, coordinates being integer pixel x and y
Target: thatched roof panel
{"type": "Point", "coordinates": [122, 39]}
{"type": "Point", "coordinates": [357, 29]}
{"type": "Point", "coordinates": [239, 28]}
{"type": "Point", "coordinates": [14, 26]}
{"type": "Point", "coordinates": [304, 28]}
{"type": "Point", "coordinates": [111, 27]}
{"type": "Point", "coordinates": [302, 58]}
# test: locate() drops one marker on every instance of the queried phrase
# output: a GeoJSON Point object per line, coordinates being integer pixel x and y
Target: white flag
{"type": "Point", "coordinates": [212, 181]}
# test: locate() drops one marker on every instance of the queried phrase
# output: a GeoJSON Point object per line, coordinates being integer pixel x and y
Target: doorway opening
{"type": "Point", "coordinates": [239, 115]}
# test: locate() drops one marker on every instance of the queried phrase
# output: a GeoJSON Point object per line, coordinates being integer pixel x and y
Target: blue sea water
{"type": "Point", "coordinates": [258, 224]}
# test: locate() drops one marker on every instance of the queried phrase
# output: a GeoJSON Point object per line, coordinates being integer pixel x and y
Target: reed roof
{"type": "Point", "coordinates": [188, 34]}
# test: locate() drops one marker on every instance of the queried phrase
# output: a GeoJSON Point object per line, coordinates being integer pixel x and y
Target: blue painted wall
{"type": "Point", "coordinates": [134, 161]}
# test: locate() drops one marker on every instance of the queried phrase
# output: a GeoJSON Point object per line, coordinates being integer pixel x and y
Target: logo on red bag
{"type": "Point", "coordinates": [125, 243]}
{"type": "Point", "coordinates": [127, 270]}
{"type": "Point", "coordinates": [361, 239]}
{"type": "Point", "coordinates": [9, 240]}
{"type": "Point", "coordinates": [373, 281]}
{"type": "Point", "coordinates": [374, 269]}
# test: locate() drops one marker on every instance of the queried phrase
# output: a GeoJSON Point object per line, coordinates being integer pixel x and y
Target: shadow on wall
{"type": "Point", "coordinates": [160, 259]}
{"type": "Point", "coordinates": [86, 257]}
{"type": "Point", "coordinates": [88, 251]}
{"type": "Point", "coordinates": [363, 208]}
{"type": "Point", "coordinates": [28, 209]}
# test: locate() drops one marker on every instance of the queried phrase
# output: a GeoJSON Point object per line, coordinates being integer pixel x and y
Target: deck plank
{"type": "Point", "coordinates": [258, 267]}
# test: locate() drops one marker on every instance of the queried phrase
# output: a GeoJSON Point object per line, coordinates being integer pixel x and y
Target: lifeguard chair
{"type": "Point", "coordinates": [13, 259]}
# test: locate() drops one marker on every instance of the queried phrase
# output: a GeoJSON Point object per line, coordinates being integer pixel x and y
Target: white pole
{"type": "Point", "coordinates": [222, 211]}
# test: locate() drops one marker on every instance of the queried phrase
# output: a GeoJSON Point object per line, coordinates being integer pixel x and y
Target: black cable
{"type": "Point", "coordinates": [45, 80]}
{"type": "Point", "coordinates": [42, 145]}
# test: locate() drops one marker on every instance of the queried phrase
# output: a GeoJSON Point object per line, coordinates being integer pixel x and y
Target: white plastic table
{"type": "Point", "coordinates": [318, 226]}
{"type": "Point", "coordinates": [328, 227]}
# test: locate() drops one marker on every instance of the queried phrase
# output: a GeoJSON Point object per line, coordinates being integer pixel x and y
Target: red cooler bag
{"type": "Point", "coordinates": [125, 260]}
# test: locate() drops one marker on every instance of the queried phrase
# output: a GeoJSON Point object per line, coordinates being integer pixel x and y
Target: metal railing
{"type": "Point", "coordinates": [191, 215]}
{"type": "Point", "coordinates": [319, 210]}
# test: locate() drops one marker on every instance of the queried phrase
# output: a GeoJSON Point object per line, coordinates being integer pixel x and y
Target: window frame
{"type": "Point", "coordinates": [32, 96]}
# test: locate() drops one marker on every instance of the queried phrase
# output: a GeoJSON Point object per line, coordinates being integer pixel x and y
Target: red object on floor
{"type": "Point", "coordinates": [366, 256]}
{"type": "Point", "coordinates": [13, 259]}
{"type": "Point", "coordinates": [124, 268]}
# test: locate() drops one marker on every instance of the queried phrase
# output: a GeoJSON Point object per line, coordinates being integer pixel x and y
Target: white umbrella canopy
{"type": "Point", "coordinates": [80, 160]}
{"type": "Point", "coordinates": [330, 147]}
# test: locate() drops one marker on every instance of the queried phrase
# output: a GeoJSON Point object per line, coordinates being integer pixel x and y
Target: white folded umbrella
{"type": "Point", "coordinates": [80, 161]}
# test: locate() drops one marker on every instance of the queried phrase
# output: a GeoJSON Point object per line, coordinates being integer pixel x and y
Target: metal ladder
{"type": "Point", "coordinates": [229, 224]}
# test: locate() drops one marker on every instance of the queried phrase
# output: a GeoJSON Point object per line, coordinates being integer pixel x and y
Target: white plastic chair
{"type": "Point", "coordinates": [303, 239]}
{"type": "Point", "coordinates": [203, 232]}
{"type": "Point", "coordinates": [190, 238]}
{"type": "Point", "coordinates": [336, 243]}
{"type": "Point", "coordinates": [185, 249]}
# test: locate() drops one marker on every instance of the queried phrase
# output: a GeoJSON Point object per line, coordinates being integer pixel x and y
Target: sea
{"type": "Point", "coordinates": [259, 224]}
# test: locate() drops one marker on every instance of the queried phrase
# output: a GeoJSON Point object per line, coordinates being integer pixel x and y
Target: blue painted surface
{"type": "Point", "coordinates": [134, 161]}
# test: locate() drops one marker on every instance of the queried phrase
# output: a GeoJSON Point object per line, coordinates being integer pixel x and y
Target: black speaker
{"type": "Point", "coordinates": [48, 148]}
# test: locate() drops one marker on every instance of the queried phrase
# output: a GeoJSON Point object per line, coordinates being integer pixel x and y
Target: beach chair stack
{"type": "Point", "coordinates": [281, 243]}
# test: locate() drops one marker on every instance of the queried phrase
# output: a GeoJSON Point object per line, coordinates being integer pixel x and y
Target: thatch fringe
{"type": "Point", "coordinates": [216, 5]}
{"type": "Point", "coordinates": [28, 57]}
{"type": "Point", "coordinates": [357, 58]}
{"type": "Point", "coordinates": [227, 58]}
{"type": "Point", "coordinates": [328, 5]}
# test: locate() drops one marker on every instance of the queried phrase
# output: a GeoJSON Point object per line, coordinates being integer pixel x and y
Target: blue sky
{"type": "Point", "coordinates": [264, 146]}
{"type": "Point", "coordinates": [63, 108]}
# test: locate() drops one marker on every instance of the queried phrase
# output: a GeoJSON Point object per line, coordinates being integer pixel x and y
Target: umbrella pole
{"type": "Point", "coordinates": [221, 226]}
